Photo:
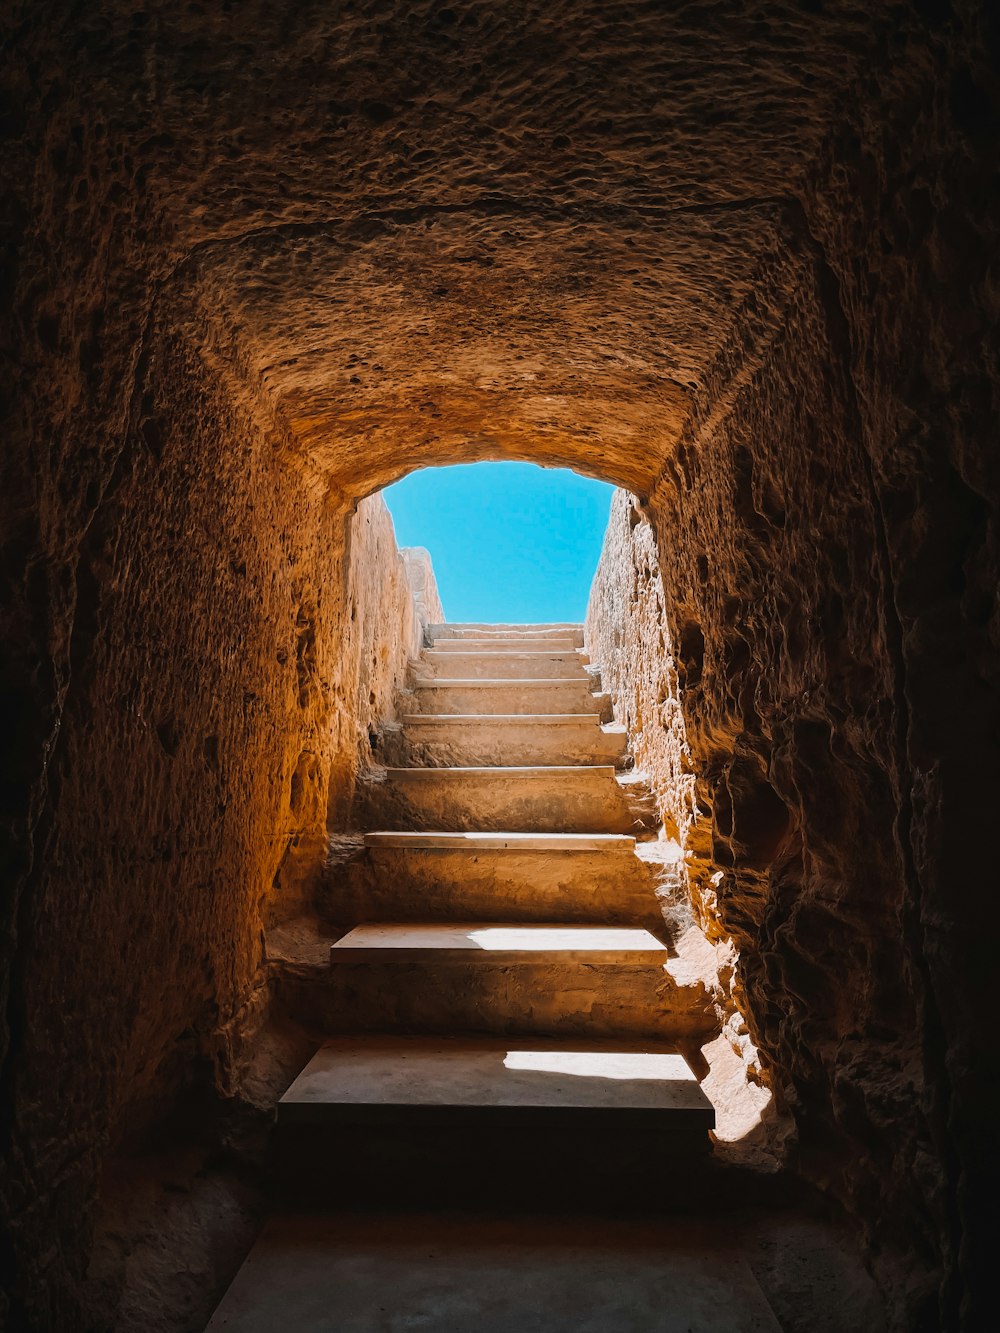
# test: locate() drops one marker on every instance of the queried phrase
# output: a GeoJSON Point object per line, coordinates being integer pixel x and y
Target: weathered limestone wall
{"type": "Point", "coordinates": [828, 533]}
{"type": "Point", "coordinates": [187, 788]}
{"type": "Point", "coordinates": [815, 552]}
{"type": "Point", "coordinates": [240, 632]}
{"type": "Point", "coordinates": [392, 597]}
{"type": "Point", "coordinates": [629, 632]}
{"type": "Point", "coordinates": [427, 606]}
{"type": "Point", "coordinates": [626, 631]}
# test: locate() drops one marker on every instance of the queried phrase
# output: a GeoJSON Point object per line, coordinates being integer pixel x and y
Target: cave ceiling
{"type": "Point", "coordinates": [437, 233]}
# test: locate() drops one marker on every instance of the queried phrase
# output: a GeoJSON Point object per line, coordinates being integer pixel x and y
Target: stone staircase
{"type": "Point", "coordinates": [501, 1127]}
{"type": "Point", "coordinates": [500, 1017]}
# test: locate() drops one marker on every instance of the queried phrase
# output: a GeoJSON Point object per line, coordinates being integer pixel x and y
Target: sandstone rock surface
{"type": "Point", "coordinates": [261, 260]}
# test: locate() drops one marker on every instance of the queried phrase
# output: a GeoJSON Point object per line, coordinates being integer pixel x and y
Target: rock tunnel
{"type": "Point", "coordinates": [263, 260]}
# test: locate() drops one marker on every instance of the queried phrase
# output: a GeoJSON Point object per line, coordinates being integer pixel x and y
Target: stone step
{"type": "Point", "coordinates": [529, 799]}
{"type": "Point", "coordinates": [554, 643]}
{"type": "Point", "coordinates": [487, 665]}
{"type": "Point", "coordinates": [507, 944]}
{"type": "Point", "coordinates": [504, 842]}
{"type": "Point", "coordinates": [352, 1080]}
{"type": "Point", "coordinates": [496, 978]}
{"type": "Point", "coordinates": [435, 739]}
{"type": "Point", "coordinates": [510, 696]}
{"type": "Point", "coordinates": [576, 878]}
{"type": "Point", "coordinates": [418, 1113]}
{"type": "Point", "coordinates": [481, 630]}
{"type": "Point", "coordinates": [570, 636]}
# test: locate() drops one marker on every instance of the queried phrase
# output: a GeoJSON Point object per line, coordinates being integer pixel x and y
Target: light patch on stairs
{"type": "Point", "coordinates": [621, 1079]}
{"type": "Point", "coordinates": [628, 1065]}
{"type": "Point", "coordinates": [369, 943]}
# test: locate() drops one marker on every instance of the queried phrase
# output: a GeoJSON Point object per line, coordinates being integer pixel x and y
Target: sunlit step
{"type": "Point", "coordinates": [476, 843]}
{"type": "Point", "coordinates": [487, 665]}
{"type": "Point", "coordinates": [482, 630]}
{"type": "Point", "coordinates": [499, 627]}
{"type": "Point", "coordinates": [565, 642]}
{"type": "Point", "coordinates": [504, 977]}
{"type": "Point", "coordinates": [573, 798]}
{"type": "Point", "coordinates": [462, 739]}
{"type": "Point", "coordinates": [360, 1078]}
{"type": "Point", "coordinates": [580, 879]}
{"type": "Point", "coordinates": [508, 944]}
{"type": "Point", "coordinates": [449, 1118]}
{"type": "Point", "coordinates": [510, 696]}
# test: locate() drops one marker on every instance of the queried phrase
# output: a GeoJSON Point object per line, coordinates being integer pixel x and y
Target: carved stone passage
{"type": "Point", "coordinates": [515, 1035]}
{"type": "Point", "coordinates": [263, 259]}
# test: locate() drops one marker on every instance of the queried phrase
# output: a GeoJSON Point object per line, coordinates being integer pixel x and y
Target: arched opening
{"type": "Point", "coordinates": [508, 541]}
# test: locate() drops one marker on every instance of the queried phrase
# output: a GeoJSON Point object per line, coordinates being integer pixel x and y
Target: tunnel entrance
{"type": "Point", "coordinates": [509, 541]}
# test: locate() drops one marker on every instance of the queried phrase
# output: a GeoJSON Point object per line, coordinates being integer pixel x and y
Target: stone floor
{"type": "Point", "coordinates": [456, 1274]}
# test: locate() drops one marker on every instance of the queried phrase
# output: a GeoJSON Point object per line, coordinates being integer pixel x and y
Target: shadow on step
{"type": "Point", "coordinates": [499, 1165]}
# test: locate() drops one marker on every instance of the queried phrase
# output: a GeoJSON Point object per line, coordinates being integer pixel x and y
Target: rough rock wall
{"type": "Point", "coordinates": [629, 632]}
{"type": "Point", "coordinates": [187, 787]}
{"type": "Point", "coordinates": [392, 596]}
{"type": "Point", "coordinates": [917, 324]}
{"type": "Point", "coordinates": [240, 634]}
{"type": "Point", "coordinates": [420, 575]}
{"type": "Point", "coordinates": [765, 569]}
{"type": "Point", "coordinates": [825, 578]}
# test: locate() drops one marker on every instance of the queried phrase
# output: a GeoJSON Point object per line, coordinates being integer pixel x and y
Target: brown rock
{"type": "Point", "coordinates": [261, 260]}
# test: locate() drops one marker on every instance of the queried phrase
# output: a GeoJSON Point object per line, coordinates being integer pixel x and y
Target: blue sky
{"type": "Point", "coordinates": [509, 541]}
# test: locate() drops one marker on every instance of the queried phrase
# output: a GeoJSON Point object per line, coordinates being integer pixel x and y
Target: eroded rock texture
{"type": "Point", "coordinates": [260, 260]}
{"type": "Point", "coordinates": [632, 630]}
